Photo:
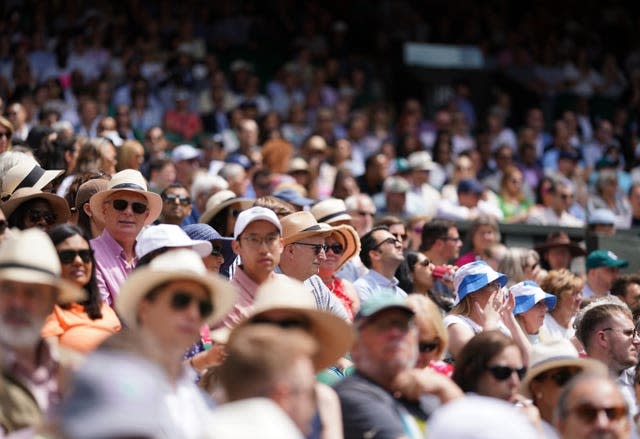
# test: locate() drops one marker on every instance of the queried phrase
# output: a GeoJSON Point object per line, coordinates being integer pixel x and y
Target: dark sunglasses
{"type": "Point", "coordinates": [136, 207]}
{"type": "Point", "coordinates": [185, 201]}
{"type": "Point", "coordinates": [317, 248]}
{"type": "Point", "coordinates": [427, 346]}
{"type": "Point", "coordinates": [560, 377]}
{"type": "Point", "coordinates": [68, 256]}
{"type": "Point", "coordinates": [234, 213]}
{"type": "Point", "coordinates": [400, 236]}
{"type": "Point", "coordinates": [502, 373]}
{"type": "Point", "coordinates": [393, 241]}
{"type": "Point", "coordinates": [216, 250]}
{"type": "Point", "coordinates": [425, 262]}
{"type": "Point", "coordinates": [337, 249]}
{"type": "Point", "coordinates": [589, 413]}
{"type": "Point", "coordinates": [3, 134]}
{"type": "Point", "coordinates": [3, 226]}
{"type": "Point", "coordinates": [181, 300]}
{"type": "Point", "coordinates": [284, 323]}
{"type": "Point", "coordinates": [36, 215]}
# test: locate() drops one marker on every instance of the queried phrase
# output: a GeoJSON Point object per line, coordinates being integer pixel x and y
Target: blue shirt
{"type": "Point", "coordinates": [373, 283]}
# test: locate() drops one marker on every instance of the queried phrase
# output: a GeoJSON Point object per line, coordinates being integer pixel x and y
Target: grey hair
{"type": "Point", "coordinates": [231, 171]}
{"type": "Point", "coordinates": [205, 182]}
{"type": "Point", "coordinates": [514, 261]}
{"type": "Point", "coordinates": [353, 201]}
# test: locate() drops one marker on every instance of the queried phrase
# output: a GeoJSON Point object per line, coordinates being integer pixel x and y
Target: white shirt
{"type": "Point", "coordinates": [555, 330]}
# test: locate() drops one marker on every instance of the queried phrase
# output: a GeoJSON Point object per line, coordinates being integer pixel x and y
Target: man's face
{"type": "Point", "coordinates": [176, 205]}
{"type": "Point", "coordinates": [165, 315]}
{"type": "Point", "coordinates": [563, 198]}
{"type": "Point", "coordinates": [239, 183]}
{"type": "Point", "coordinates": [587, 419]}
{"type": "Point", "coordinates": [185, 170]}
{"type": "Point", "coordinates": [558, 257]}
{"type": "Point", "coordinates": [399, 231]}
{"type": "Point", "coordinates": [125, 223]}
{"type": "Point", "coordinates": [468, 199]}
{"type": "Point", "coordinates": [389, 249]}
{"type": "Point", "coordinates": [306, 261]}
{"type": "Point", "coordinates": [156, 142]}
{"type": "Point", "coordinates": [23, 310]}
{"type": "Point", "coordinates": [259, 247]}
{"type": "Point", "coordinates": [396, 201]}
{"type": "Point", "coordinates": [632, 296]}
{"type": "Point", "coordinates": [622, 344]}
{"type": "Point", "coordinates": [452, 244]}
{"type": "Point", "coordinates": [362, 218]}
{"type": "Point", "coordinates": [387, 343]}
{"type": "Point", "coordinates": [606, 276]}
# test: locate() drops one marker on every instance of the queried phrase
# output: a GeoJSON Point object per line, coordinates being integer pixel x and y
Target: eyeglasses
{"type": "Point", "coordinates": [561, 377]}
{"type": "Point", "coordinates": [427, 346]}
{"type": "Point", "coordinates": [400, 236]}
{"type": "Point", "coordinates": [317, 248]}
{"type": "Point", "coordinates": [290, 323]}
{"type": "Point", "coordinates": [185, 201]}
{"type": "Point", "coordinates": [336, 248]}
{"type": "Point", "coordinates": [365, 213]}
{"type": "Point", "coordinates": [121, 205]}
{"type": "Point", "coordinates": [589, 413]}
{"type": "Point", "coordinates": [68, 256]}
{"type": "Point", "coordinates": [256, 241]}
{"type": "Point", "coordinates": [393, 241]}
{"type": "Point", "coordinates": [3, 226]}
{"type": "Point", "coordinates": [502, 373]}
{"type": "Point", "coordinates": [36, 215]}
{"type": "Point", "coordinates": [181, 301]}
{"type": "Point", "coordinates": [4, 134]}
{"type": "Point", "coordinates": [216, 250]}
{"type": "Point", "coordinates": [629, 333]}
{"type": "Point", "coordinates": [384, 324]}
{"type": "Point", "coordinates": [234, 213]}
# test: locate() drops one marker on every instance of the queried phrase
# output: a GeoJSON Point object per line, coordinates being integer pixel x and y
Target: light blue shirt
{"type": "Point", "coordinates": [374, 283]}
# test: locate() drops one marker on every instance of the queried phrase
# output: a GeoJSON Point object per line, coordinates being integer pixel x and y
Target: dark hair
{"type": "Point", "coordinates": [368, 242]}
{"type": "Point", "coordinates": [592, 318]}
{"type": "Point", "coordinates": [434, 230]}
{"type": "Point", "coordinates": [83, 222]}
{"type": "Point", "coordinates": [172, 186]}
{"type": "Point", "coordinates": [475, 355]}
{"type": "Point", "coordinates": [92, 305]}
{"type": "Point", "coordinates": [619, 287]}
{"type": "Point", "coordinates": [219, 221]}
{"type": "Point", "coordinates": [389, 220]}
{"type": "Point", "coordinates": [404, 272]}
{"type": "Point", "coordinates": [16, 219]}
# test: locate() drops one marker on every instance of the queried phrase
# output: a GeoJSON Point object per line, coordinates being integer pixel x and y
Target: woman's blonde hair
{"type": "Point", "coordinates": [514, 262]}
{"type": "Point", "coordinates": [428, 317]}
{"type": "Point", "coordinates": [561, 282]}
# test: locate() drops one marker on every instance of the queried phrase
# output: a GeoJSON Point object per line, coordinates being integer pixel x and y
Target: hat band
{"type": "Point", "coordinates": [32, 178]}
{"type": "Point", "coordinates": [333, 215]}
{"type": "Point", "coordinates": [556, 358]}
{"type": "Point", "coordinates": [128, 186]}
{"type": "Point", "coordinates": [312, 228]}
{"type": "Point", "coordinates": [27, 267]}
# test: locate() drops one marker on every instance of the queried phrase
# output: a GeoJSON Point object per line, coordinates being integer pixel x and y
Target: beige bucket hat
{"type": "Point", "coordinates": [301, 225]}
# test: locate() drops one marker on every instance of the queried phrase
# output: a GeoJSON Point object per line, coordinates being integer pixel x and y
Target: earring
{"type": "Point", "coordinates": [539, 395]}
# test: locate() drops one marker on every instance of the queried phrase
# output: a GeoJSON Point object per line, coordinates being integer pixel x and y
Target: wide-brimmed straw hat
{"type": "Point", "coordinates": [330, 211]}
{"type": "Point", "coordinates": [348, 237]}
{"type": "Point", "coordinates": [554, 354]}
{"type": "Point", "coordinates": [333, 335]}
{"type": "Point", "coordinates": [174, 265]}
{"type": "Point", "coordinates": [301, 225]}
{"type": "Point", "coordinates": [560, 239]}
{"type": "Point", "coordinates": [29, 256]}
{"type": "Point", "coordinates": [128, 180]}
{"type": "Point", "coordinates": [219, 201]}
{"type": "Point", "coordinates": [27, 173]}
{"type": "Point", "coordinates": [20, 196]}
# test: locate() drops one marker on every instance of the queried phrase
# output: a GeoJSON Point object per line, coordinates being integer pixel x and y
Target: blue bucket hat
{"type": "Point", "coordinates": [474, 276]}
{"type": "Point", "coordinates": [528, 294]}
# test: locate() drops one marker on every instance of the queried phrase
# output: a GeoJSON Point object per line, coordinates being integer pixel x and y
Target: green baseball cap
{"type": "Point", "coordinates": [381, 302]}
{"type": "Point", "coordinates": [605, 258]}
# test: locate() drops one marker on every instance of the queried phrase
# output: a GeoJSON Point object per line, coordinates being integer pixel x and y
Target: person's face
{"type": "Point", "coordinates": [389, 249]}
{"type": "Point", "coordinates": [632, 296]}
{"type": "Point", "coordinates": [214, 261]}
{"type": "Point", "coordinates": [423, 273]}
{"type": "Point", "coordinates": [558, 257]}
{"type": "Point", "coordinates": [483, 238]}
{"type": "Point", "coordinates": [428, 344]}
{"type": "Point", "coordinates": [23, 310]}
{"type": "Point", "coordinates": [546, 388]}
{"type": "Point", "coordinates": [173, 323]}
{"type": "Point", "coordinates": [333, 255]}
{"type": "Point", "coordinates": [387, 342]}
{"type": "Point", "coordinates": [591, 397]}
{"type": "Point", "coordinates": [167, 175]}
{"type": "Point", "coordinates": [108, 159]}
{"type": "Point", "coordinates": [414, 234]}
{"type": "Point", "coordinates": [505, 389]}
{"type": "Point", "coordinates": [400, 233]}
{"type": "Point", "coordinates": [156, 142]}
{"type": "Point", "coordinates": [307, 261]}
{"type": "Point", "coordinates": [259, 246]}
{"type": "Point", "coordinates": [176, 205]}
{"type": "Point", "coordinates": [232, 216]}
{"type": "Point", "coordinates": [363, 217]}
{"type": "Point", "coordinates": [452, 244]}
{"type": "Point", "coordinates": [532, 319]}
{"type": "Point", "coordinates": [40, 215]}
{"type": "Point", "coordinates": [514, 183]}
{"type": "Point", "coordinates": [124, 223]}
{"type": "Point", "coordinates": [185, 169]}
{"type": "Point", "coordinates": [569, 301]}
{"type": "Point", "coordinates": [469, 199]}
{"type": "Point", "coordinates": [531, 269]}
{"type": "Point", "coordinates": [77, 270]}
{"type": "Point", "coordinates": [607, 275]}
{"type": "Point", "coordinates": [563, 198]}
{"type": "Point", "coordinates": [622, 342]}
{"type": "Point", "coordinates": [238, 184]}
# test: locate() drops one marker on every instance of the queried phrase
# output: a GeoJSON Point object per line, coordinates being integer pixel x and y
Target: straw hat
{"type": "Point", "coordinates": [560, 239]}
{"type": "Point", "coordinates": [553, 354]}
{"type": "Point", "coordinates": [330, 211]}
{"type": "Point", "coordinates": [334, 335]}
{"type": "Point", "coordinates": [20, 196]}
{"type": "Point", "coordinates": [301, 225]}
{"type": "Point", "coordinates": [219, 201]}
{"type": "Point", "coordinates": [174, 265]}
{"type": "Point", "coordinates": [27, 173]}
{"type": "Point", "coordinates": [128, 180]}
{"type": "Point", "coordinates": [348, 237]}
{"type": "Point", "coordinates": [29, 256]}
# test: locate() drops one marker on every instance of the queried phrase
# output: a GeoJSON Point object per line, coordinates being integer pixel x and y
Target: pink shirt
{"type": "Point", "coordinates": [112, 267]}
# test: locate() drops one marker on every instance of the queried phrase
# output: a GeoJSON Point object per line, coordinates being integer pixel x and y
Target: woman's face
{"type": "Point", "coordinates": [40, 215]}
{"type": "Point", "coordinates": [427, 346]}
{"type": "Point", "coordinates": [214, 261]}
{"type": "Point", "coordinates": [329, 265]}
{"type": "Point", "coordinates": [532, 319]}
{"type": "Point", "coordinates": [77, 270]}
{"type": "Point", "coordinates": [570, 301]}
{"type": "Point", "coordinates": [531, 269]}
{"type": "Point", "coordinates": [513, 183]}
{"type": "Point", "coordinates": [482, 296]}
{"type": "Point", "coordinates": [422, 273]}
{"type": "Point", "coordinates": [483, 238]}
{"type": "Point", "coordinates": [501, 387]}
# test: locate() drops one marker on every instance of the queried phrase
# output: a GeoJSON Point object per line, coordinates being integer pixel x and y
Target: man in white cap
{"type": "Point", "coordinates": [125, 207]}
{"type": "Point", "coordinates": [186, 159]}
{"type": "Point", "coordinates": [30, 286]}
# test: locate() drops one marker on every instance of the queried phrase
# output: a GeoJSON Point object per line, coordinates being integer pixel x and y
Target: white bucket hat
{"type": "Point", "coordinates": [168, 235]}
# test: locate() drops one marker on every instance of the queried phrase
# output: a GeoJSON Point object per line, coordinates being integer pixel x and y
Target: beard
{"type": "Point", "coordinates": [24, 335]}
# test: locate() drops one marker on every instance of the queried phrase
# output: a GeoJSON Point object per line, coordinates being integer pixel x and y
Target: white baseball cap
{"type": "Point", "coordinates": [185, 152]}
{"type": "Point", "coordinates": [168, 235]}
{"type": "Point", "coordinates": [252, 214]}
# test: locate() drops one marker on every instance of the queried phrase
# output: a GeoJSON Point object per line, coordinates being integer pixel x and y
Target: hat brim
{"type": "Point", "coordinates": [526, 302]}
{"type": "Point", "coordinates": [348, 237]}
{"type": "Point", "coordinates": [586, 364]}
{"type": "Point", "coordinates": [145, 279]}
{"type": "Point", "coordinates": [68, 292]}
{"type": "Point", "coordinates": [245, 203]}
{"type": "Point", "coordinates": [333, 335]}
{"type": "Point", "coordinates": [154, 203]}
{"type": "Point", "coordinates": [58, 204]}
{"type": "Point", "coordinates": [323, 230]}
{"type": "Point", "coordinates": [574, 248]}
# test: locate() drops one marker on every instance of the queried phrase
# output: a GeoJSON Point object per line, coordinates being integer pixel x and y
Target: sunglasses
{"type": "Point", "coordinates": [317, 248]}
{"type": "Point", "coordinates": [502, 373]}
{"type": "Point", "coordinates": [68, 256]}
{"type": "Point", "coordinates": [36, 215]}
{"type": "Point", "coordinates": [589, 413]}
{"type": "Point", "coordinates": [427, 346]}
{"type": "Point", "coordinates": [181, 301]}
{"type": "Point", "coordinates": [216, 250]}
{"type": "Point", "coordinates": [393, 241]}
{"type": "Point", "coordinates": [234, 213]}
{"type": "Point", "coordinates": [400, 236]}
{"type": "Point", "coordinates": [3, 134]}
{"type": "Point", "coordinates": [121, 205]}
{"type": "Point", "coordinates": [364, 213]}
{"type": "Point", "coordinates": [336, 248]}
{"type": "Point", "coordinates": [425, 262]}
{"type": "Point", "coordinates": [185, 201]}
{"type": "Point", "coordinates": [291, 323]}
{"type": "Point", "coordinates": [560, 378]}
{"type": "Point", "coordinates": [3, 226]}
